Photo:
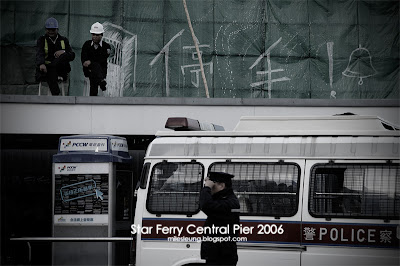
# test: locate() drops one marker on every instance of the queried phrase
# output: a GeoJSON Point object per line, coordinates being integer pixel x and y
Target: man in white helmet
{"type": "Point", "coordinates": [53, 54]}
{"type": "Point", "coordinates": [94, 59]}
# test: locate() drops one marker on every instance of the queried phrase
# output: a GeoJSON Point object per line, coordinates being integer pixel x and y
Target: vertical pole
{"type": "Point", "coordinates": [197, 48]}
{"type": "Point", "coordinates": [166, 72]}
{"type": "Point", "coordinates": [29, 253]}
{"type": "Point", "coordinates": [111, 211]}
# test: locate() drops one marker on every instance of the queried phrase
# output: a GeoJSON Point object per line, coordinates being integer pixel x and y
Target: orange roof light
{"type": "Point", "coordinates": [188, 124]}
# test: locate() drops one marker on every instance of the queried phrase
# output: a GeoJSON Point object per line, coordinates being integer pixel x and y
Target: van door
{"type": "Point", "coordinates": [168, 213]}
{"type": "Point", "coordinates": [268, 192]}
{"type": "Point", "coordinates": [351, 213]}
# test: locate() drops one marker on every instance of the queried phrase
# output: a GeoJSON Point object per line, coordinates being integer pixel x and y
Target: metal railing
{"type": "Point", "coordinates": [28, 240]}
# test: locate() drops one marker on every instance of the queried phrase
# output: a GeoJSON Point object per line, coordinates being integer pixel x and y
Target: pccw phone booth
{"type": "Point", "coordinates": [92, 197]}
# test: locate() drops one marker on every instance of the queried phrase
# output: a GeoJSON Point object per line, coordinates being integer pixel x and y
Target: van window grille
{"type": "Point", "coordinates": [175, 188]}
{"type": "Point", "coordinates": [355, 190]}
{"type": "Point", "coordinates": [268, 189]}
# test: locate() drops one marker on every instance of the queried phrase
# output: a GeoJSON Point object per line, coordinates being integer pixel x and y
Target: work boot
{"type": "Point", "coordinates": [103, 84]}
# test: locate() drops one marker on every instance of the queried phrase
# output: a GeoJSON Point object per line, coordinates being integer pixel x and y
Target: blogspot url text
{"type": "Point", "coordinates": [199, 239]}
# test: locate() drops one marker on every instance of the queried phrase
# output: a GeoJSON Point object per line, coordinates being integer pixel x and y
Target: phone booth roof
{"type": "Point", "coordinates": [92, 149]}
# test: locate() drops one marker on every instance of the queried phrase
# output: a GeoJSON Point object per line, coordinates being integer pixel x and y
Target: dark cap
{"type": "Point", "coordinates": [220, 177]}
{"type": "Point", "coordinates": [51, 23]}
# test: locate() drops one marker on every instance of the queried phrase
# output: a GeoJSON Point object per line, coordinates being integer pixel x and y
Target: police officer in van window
{"type": "Point", "coordinates": [94, 59]}
{"type": "Point", "coordinates": [53, 54]}
{"type": "Point", "coordinates": [221, 206]}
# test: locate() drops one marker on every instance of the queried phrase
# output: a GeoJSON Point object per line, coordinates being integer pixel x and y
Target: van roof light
{"type": "Point", "coordinates": [188, 124]}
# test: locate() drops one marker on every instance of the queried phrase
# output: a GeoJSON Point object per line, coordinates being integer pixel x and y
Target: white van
{"type": "Point", "coordinates": [313, 191]}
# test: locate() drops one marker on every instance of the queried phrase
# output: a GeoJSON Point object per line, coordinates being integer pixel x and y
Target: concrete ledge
{"type": "Point", "coordinates": [37, 99]}
{"type": "Point", "coordinates": [198, 101]}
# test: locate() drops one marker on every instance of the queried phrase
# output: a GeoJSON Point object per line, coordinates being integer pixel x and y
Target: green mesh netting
{"type": "Point", "coordinates": [316, 49]}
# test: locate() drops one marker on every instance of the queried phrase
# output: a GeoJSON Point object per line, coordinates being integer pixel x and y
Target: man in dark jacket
{"type": "Point", "coordinates": [94, 59]}
{"type": "Point", "coordinates": [53, 54]}
{"type": "Point", "coordinates": [218, 201]}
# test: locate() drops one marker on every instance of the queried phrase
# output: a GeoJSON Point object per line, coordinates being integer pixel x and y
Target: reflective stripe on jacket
{"type": "Point", "coordinates": [46, 49]}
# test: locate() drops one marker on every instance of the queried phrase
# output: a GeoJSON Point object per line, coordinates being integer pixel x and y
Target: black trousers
{"type": "Point", "coordinates": [96, 74]}
{"type": "Point", "coordinates": [58, 68]}
{"type": "Point", "coordinates": [223, 253]}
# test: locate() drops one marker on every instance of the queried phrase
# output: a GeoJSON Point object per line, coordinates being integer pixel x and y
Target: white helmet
{"type": "Point", "coordinates": [97, 28]}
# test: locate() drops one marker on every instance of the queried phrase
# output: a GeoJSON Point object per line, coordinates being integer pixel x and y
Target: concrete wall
{"type": "Point", "coordinates": [145, 116]}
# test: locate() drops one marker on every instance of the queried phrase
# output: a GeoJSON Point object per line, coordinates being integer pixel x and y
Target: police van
{"type": "Point", "coordinates": [312, 191]}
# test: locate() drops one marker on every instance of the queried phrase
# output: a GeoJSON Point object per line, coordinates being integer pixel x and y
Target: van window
{"type": "Point", "coordinates": [268, 189]}
{"type": "Point", "coordinates": [175, 188]}
{"type": "Point", "coordinates": [355, 190]}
